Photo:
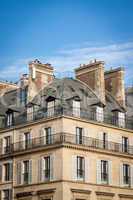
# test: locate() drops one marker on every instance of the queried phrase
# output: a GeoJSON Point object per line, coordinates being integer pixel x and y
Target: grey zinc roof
{"type": "Point", "coordinates": [64, 90]}
{"type": "Point", "coordinates": [68, 88]}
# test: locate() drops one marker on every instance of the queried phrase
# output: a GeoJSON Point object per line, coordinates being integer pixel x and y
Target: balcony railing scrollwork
{"type": "Point", "coordinates": [60, 138]}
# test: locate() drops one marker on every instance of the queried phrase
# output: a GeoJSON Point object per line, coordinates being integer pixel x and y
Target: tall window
{"type": "Point", "coordinates": [76, 108]}
{"type": "Point", "coordinates": [48, 135]}
{"type": "Point", "coordinates": [7, 194]}
{"type": "Point", "coordinates": [8, 171]}
{"type": "Point", "coordinates": [47, 168]}
{"type": "Point", "coordinates": [23, 96]}
{"type": "Point", "coordinates": [105, 141]}
{"type": "Point", "coordinates": [50, 108]}
{"type": "Point", "coordinates": [104, 171]}
{"type": "Point", "coordinates": [27, 140]}
{"type": "Point", "coordinates": [79, 135]}
{"type": "Point", "coordinates": [10, 119]}
{"type": "Point", "coordinates": [26, 172]}
{"type": "Point", "coordinates": [80, 168]}
{"type": "Point", "coordinates": [7, 144]}
{"type": "Point", "coordinates": [125, 144]}
{"type": "Point", "coordinates": [126, 174]}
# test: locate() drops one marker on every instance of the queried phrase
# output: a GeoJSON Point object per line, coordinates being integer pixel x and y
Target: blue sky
{"type": "Point", "coordinates": [65, 33]}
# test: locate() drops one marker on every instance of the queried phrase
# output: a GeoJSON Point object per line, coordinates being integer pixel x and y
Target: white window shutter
{"type": "Point", "coordinates": [19, 172]}
{"type": "Point", "coordinates": [98, 171]}
{"type": "Point", "coordinates": [30, 171]}
{"type": "Point", "coordinates": [22, 140]}
{"type": "Point", "coordinates": [41, 169]}
{"type": "Point", "coordinates": [121, 174]}
{"type": "Point", "coordinates": [74, 167]}
{"type": "Point", "coordinates": [43, 136]}
{"type": "Point", "coordinates": [87, 169]}
{"type": "Point", "coordinates": [51, 167]}
{"type": "Point", "coordinates": [131, 176]}
{"type": "Point", "coordinates": [110, 171]}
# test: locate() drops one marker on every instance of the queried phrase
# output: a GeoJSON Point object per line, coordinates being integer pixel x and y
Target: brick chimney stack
{"type": "Point", "coordinates": [39, 76]}
{"type": "Point", "coordinates": [92, 74]}
{"type": "Point", "coordinates": [114, 83]}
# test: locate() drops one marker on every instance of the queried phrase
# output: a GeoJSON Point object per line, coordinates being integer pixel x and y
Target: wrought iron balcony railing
{"type": "Point", "coordinates": [43, 113]}
{"type": "Point", "coordinates": [60, 138]}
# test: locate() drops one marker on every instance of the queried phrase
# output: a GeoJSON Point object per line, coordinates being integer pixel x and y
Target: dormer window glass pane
{"type": "Point", "coordinates": [99, 114]}
{"type": "Point", "coordinates": [30, 114]}
{"type": "Point", "coordinates": [9, 119]}
{"type": "Point", "coordinates": [76, 108]}
{"type": "Point", "coordinates": [121, 119]}
{"type": "Point", "coordinates": [50, 108]}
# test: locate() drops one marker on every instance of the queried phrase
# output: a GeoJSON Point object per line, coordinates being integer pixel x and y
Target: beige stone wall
{"type": "Point", "coordinates": [94, 129]}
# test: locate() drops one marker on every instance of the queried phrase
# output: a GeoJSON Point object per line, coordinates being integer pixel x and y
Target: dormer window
{"type": "Point", "coordinates": [121, 119]}
{"type": "Point", "coordinates": [10, 119]}
{"type": "Point", "coordinates": [76, 108]}
{"type": "Point", "coordinates": [99, 114]}
{"type": "Point", "coordinates": [50, 108]}
{"type": "Point", "coordinates": [30, 113]}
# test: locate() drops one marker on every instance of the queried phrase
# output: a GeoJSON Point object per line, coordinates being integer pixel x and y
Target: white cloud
{"type": "Point", "coordinates": [114, 55]}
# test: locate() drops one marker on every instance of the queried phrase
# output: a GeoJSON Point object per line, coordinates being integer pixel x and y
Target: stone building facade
{"type": "Point", "coordinates": [67, 139]}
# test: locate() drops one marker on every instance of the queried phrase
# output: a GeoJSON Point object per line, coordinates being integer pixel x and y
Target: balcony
{"type": "Point", "coordinates": [68, 111]}
{"type": "Point", "coordinates": [60, 138]}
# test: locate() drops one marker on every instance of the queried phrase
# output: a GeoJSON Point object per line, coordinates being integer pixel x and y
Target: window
{"type": "Point", "coordinates": [80, 168]}
{"type": "Point", "coordinates": [121, 119]}
{"type": "Point", "coordinates": [26, 172]}
{"type": "Point", "coordinates": [46, 168]}
{"type": "Point", "coordinates": [50, 108]}
{"type": "Point", "coordinates": [27, 140]}
{"type": "Point", "coordinates": [10, 119]}
{"type": "Point", "coordinates": [76, 108]}
{"type": "Point", "coordinates": [7, 144]}
{"type": "Point", "coordinates": [126, 174]}
{"type": "Point", "coordinates": [48, 135]}
{"type": "Point", "coordinates": [105, 141]}
{"type": "Point", "coordinates": [79, 135]}
{"type": "Point", "coordinates": [7, 194]}
{"type": "Point", "coordinates": [124, 144]}
{"type": "Point", "coordinates": [23, 96]}
{"type": "Point", "coordinates": [104, 171]}
{"type": "Point", "coordinates": [99, 114]}
{"type": "Point", "coordinates": [8, 171]}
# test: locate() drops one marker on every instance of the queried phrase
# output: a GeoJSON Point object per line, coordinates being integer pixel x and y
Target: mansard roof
{"type": "Point", "coordinates": [64, 90]}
